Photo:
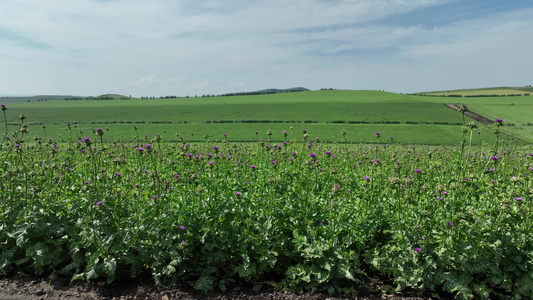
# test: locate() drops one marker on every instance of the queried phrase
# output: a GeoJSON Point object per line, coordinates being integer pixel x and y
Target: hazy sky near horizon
{"type": "Point", "coordinates": [189, 47]}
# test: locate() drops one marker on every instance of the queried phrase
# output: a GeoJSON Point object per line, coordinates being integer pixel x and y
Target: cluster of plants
{"type": "Point", "coordinates": [298, 214]}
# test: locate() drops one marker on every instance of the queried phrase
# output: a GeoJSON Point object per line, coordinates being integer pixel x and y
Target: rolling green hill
{"type": "Point", "coordinates": [325, 113]}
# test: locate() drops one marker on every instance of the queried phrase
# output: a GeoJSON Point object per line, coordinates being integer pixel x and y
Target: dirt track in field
{"type": "Point", "coordinates": [481, 119]}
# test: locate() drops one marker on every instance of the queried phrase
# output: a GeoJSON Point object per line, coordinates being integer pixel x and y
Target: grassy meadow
{"type": "Point", "coordinates": [409, 118]}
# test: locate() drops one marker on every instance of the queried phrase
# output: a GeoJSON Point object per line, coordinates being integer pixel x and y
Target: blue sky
{"type": "Point", "coordinates": [188, 47]}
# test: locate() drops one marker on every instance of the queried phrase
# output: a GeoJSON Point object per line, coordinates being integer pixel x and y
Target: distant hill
{"type": "Point", "coordinates": [268, 91]}
{"type": "Point", "coordinates": [11, 99]}
{"type": "Point", "coordinates": [482, 92]}
{"type": "Point", "coordinates": [275, 91]}
{"type": "Point", "coordinates": [113, 96]}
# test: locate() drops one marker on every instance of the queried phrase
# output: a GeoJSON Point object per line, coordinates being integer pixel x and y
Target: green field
{"type": "Point", "coordinates": [409, 118]}
{"type": "Point", "coordinates": [500, 91]}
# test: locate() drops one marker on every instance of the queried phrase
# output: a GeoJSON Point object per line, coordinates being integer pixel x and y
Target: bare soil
{"type": "Point", "coordinates": [56, 287]}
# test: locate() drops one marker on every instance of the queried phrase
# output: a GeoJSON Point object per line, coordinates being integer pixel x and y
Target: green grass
{"type": "Point", "coordinates": [323, 108]}
{"type": "Point", "coordinates": [402, 133]}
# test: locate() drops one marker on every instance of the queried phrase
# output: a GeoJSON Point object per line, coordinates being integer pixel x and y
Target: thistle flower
{"type": "Point", "coordinates": [3, 106]}
{"type": "Point", "coordinates": [417, 249]}
{"type": "Point", "coordinates": [87, 141]}
{"type": "Point", "coordinates": [99, 131]}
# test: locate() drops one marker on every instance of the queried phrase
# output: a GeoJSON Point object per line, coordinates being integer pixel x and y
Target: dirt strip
{"type": "Point", "coordinates": [481, 119]}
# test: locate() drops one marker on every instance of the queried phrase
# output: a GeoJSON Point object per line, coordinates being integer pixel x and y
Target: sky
{"type": "Point", "coordinates": [197, 47]}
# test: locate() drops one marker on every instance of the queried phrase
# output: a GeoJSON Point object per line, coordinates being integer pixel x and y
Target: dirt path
{"type": "Point", "coordinates": [481, 119]}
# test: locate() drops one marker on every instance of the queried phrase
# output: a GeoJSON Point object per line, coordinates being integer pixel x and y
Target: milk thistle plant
{"type": "Point", "coordinates": [314, 216]}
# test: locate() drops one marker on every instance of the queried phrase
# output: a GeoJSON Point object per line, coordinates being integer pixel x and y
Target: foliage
{"type": "Point", "coordinates": [298, 214]}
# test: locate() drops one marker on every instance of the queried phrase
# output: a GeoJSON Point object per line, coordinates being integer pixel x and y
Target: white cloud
{"type": "Point", "coordinates": [145, 80]}
{"type": "Point", "coordinates": [239, 44]}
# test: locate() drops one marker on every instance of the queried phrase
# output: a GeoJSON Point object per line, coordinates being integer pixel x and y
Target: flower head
{"type": "Point", "coordinates": [417, 249]}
